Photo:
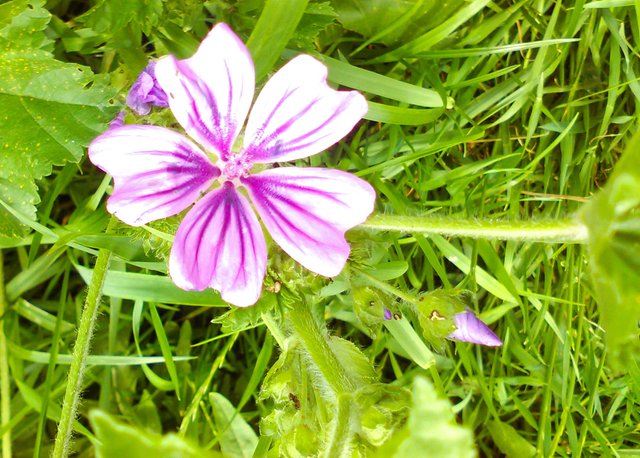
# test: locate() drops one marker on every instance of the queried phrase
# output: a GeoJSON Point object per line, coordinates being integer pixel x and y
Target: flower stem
{"type": "Point", "coordinates": [549, 231]}
{"type": "Point", "coordinates": [5, 386]}
{"type": "Point", "coordinates": [80, 352]}
{"type": "Point", "coordinates": [315, 342]}
{"type": "Point", "coordinates": [340, 439]}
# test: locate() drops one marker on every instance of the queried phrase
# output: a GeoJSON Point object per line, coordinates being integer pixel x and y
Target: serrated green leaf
{"type": "Point", "coordinates": [613, 220]}
{"type": "Point", "coordinates": [237, 438]}
{"type": "Point", "coordinates": [431, 429]}
{"type": "Point", "coordinates": [113, 15]}
{"type": "Point", "coordinates": [316, 18]}
{"type": "Point", "coordinates": [50, 111]}
{"type": "Point", "coordinates": [117, 439]}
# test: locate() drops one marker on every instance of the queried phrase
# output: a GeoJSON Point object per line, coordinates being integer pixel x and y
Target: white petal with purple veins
{"type": "Point", "coordinates": [210, 93]}
{"type": "Point", "coordinates": [308, 210]}
{"type": "Point", "coordinates": [220, 244]}
{"type": "Point", "coordinates": [471, 329]}
{"type": "Point", "coordinates": [156, 172]}
{"type": "Point", "coordinates": [297, 114]}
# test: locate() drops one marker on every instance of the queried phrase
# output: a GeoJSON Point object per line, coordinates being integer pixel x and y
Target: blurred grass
{"type": "Point", "coordinates": [544, 99]}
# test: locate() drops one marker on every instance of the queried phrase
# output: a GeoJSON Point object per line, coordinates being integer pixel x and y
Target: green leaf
{"type": "Point", "coordinates": [350, 356]}
{"type": "Point", "coordinates": [410, 342]}
{"type": "Point", "coordinates": [509, 441]}
{"type": "Point", "coordinates": [316, 18]}
{"type": "Point", "coordinates": [237, 438]}
{"type": "Point", "coordinates": [117, 439]}
{"type": "Point", "coordinates": [113, 15]}
{"type": "Point", "coordinates": [151, 288]}
{"type": "Point", "coordinates": [34, 400]}
{"type": "Point", "coordinates": [273, 30]}
{"type": "Point", "coordinates": [613, 220]}
{"type": "Point", "coordinates": [50, 111]}
{"type": "Point", "coordinates": [22, 23]}
{"type": "Point", "coordinates": [431, 429]}
{"type": "Point", "coordinates": [363, 80]}
{"type": "Point", "coordinates": [383, 20]}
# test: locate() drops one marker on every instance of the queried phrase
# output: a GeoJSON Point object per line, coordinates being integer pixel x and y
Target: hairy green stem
{"type": "Point", "coordinates": [549, 231]}
{"type": "Point", "coordinates": [80, 352]}
{"type": "Point", "coordinates": [5, 386]}
{"type": "Point", "coordinates": [340, 440]}
{"type": "Point", "coordinates": [315, 342]}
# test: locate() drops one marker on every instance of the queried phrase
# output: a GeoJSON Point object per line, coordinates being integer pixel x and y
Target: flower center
{"type": "Point", "coordinates": [237, 166]}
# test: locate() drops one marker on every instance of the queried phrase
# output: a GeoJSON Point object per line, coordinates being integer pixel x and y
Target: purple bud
{"type": "Point", "coordinates": [146, 92]}
{"type": "Point", "coordinates": [471, 329]}
{"type": "Point", "coordinates": [387, 314]}
{"type": "Point", "coordinates": [118, 121]}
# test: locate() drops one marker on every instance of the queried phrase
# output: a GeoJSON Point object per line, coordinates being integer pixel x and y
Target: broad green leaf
{"type": "Point", "coordinates": [50, 111]}
{"type": "Point", "coordinates": [237, 438]}
{"type": "Point", "coordinates": [22, 23]}
{"type": "Point", "coordinates": [117, 439]}
{"type": "Point", "coordinates": [431, 429]}
{"type": "Point", "coordinates": [613, 220]}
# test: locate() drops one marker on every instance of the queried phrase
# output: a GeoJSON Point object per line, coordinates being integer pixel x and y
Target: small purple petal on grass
{"type": "Point", "coordinates": [146, 92]}
{"type": "Point", "coordinates": [471, 329]}
{"type": "Point", "coordinates": [210, 93]}
{"type": "Point", "coordinates": [308, 210]}
{"type": "Point", "coordinates": [156, 172]}
{"type": "Point", "coordinates": [387, 314]}
{"type": "Point", "coordinates": [220, 244]}
{"type": "Point", "coordinates": [297, 114]}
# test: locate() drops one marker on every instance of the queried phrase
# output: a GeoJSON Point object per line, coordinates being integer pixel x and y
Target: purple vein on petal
{"type": "Point", "coordinates": [308, 210]}
{"type": "Point", "coordinates": [157, 172]}
{"type": "Point", "coordinates": [220, 245]}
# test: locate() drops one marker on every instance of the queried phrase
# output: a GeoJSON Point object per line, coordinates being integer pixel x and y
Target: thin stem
{"type": "Point", "coordinates": [384, 286]}
{"type": "Point", "coordinates": [549, 231]}
{"type": "Point", "coordinates": [315, 342]}
{"type": "Point", "coordinates": [5, 386]}
{"type": "Point", "coordinates": [80, 352]}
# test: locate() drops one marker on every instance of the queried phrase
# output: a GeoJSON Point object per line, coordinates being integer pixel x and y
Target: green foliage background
{"type": "Point", "coordinates": [480, 112]}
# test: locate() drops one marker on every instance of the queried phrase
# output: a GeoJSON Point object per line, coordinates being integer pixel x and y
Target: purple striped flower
{"type": "Point", "coordinates": [158, 172]}
{"type": "Point", "coordinates": [471, 329]}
